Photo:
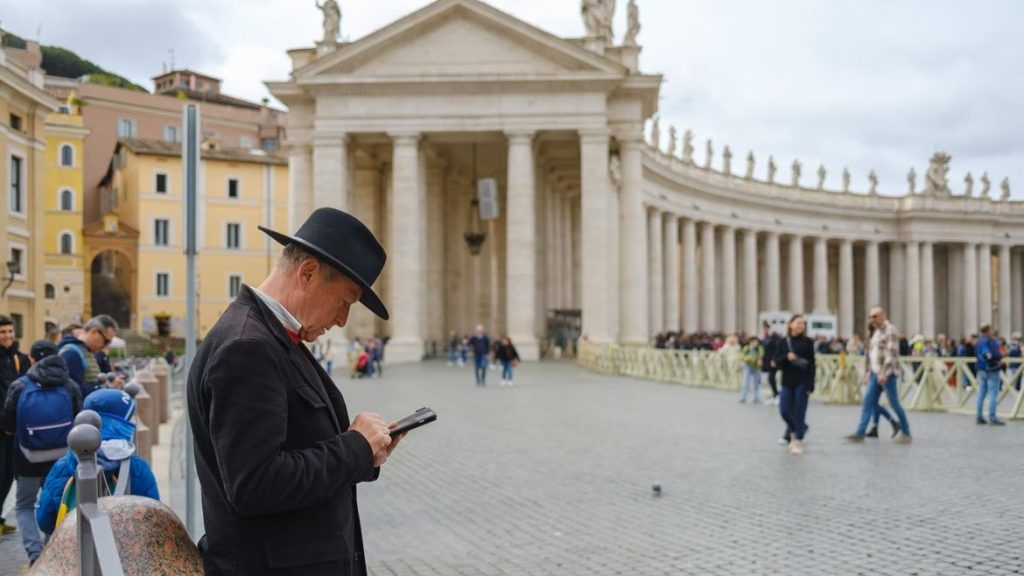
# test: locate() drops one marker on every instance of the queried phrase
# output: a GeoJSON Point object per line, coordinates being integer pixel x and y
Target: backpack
{"type": "Point", "coordinates": [44, 418]}
{"type": "Point", "coordinates": [122, 487]}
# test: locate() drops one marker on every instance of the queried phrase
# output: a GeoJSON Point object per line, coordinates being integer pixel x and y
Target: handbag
{"type": "Point", "coordinates": [800, 363]}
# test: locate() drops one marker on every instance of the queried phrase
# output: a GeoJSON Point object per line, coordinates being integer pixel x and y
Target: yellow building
{"type": "Point", "coordinates": [143, 196]}
{"type": "Point", "coordinates": [63, 194]}
{"type": "Point", "coordinates": [24, 107]}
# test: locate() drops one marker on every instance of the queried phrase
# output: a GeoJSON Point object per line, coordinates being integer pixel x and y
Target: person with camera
{"type": "Point", "coordinates": [795, 360]}
{"type": "Point", "coordinates": [990, 362]}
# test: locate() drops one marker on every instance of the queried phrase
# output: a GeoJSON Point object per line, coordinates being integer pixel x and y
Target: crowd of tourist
{"type": "Point", "coordinates": [487, 354]}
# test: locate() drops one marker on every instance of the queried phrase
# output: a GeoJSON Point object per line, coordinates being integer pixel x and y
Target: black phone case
{"type": "Point", "coordinates": [421, 417]}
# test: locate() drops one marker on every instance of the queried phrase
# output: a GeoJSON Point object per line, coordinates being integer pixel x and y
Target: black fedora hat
{"type": "Point", "coordinates": [341, 240]}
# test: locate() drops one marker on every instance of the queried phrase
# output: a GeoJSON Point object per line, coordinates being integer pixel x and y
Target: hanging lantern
{"type": "Point", "coordinates": [474, 236]}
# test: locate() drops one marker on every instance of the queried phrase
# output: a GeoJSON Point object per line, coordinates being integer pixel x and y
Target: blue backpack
{"type": "Point", "coordinates": [44, 418]}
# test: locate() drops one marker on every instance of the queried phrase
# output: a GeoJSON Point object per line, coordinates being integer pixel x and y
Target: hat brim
{"type": "Point", "coordinates": [369, 298]}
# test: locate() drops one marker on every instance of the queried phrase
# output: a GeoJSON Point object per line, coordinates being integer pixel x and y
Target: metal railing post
{"type": "Point", "coordinates": [97, 549]}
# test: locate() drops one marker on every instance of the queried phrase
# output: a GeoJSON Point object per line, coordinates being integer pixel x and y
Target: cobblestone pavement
{"type": "Point", "coordinates": [554, 477]}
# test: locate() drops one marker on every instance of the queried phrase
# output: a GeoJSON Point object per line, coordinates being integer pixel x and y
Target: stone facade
{"type": "Point", "coordinates": [398, 126]}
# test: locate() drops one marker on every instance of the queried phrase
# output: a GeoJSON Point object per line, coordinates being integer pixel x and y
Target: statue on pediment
{"type": "Point", "coordinates": [969, 190]}
{"type": "Point", "coordinates": [1005, 186]}
{"type": "Point", "coordinates": [772, 168]}
{"type": "Point", "coordinates": [936, 181]}
{"type": "Point", "coordinates": [873, 179]}
{"type": "Point", "coordinates": [986, 186]}
{"type": "Point", "coordinates": [821, 176]}
{"type": "Point", "coordinates": [632, 24]}
{"type": "Point", "coordinates": [727, 161]}
{"type": "Point", "coordinates": [673, 140]}
{"type": "Point", "coordinates": [710, 154]}
{"type": "Point", "coordinates": [797, 170]}
{"type": "Point", "coordinates": [911, 181]}
{"type": "Point", "coordinates": [656, 134]}
{"type": "Point", "coordinates": [332, 21]}
{"type": "Point", "coordinates": [615, 171]}
{"type": "Point", "coordinates": [688, 146]}
{"type": "Point", "coordinates": [751, 161]}
{"type": "Point", "coordinates": [597, 18]}
{"type": "Point", "coordinates": [846, 179]}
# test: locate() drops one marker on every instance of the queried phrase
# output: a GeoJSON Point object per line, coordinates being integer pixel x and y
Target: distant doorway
{"type": "Point", "coordinates": [111, 286]}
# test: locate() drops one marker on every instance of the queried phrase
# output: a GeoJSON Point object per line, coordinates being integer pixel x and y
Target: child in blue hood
{"type": "Point", "coordinates": [116, 409]}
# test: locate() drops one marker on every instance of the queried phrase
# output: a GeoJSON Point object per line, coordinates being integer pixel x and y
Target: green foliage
{"type": "Point", "coordinates": [66, 64]}
{"type": "Point", "coordinates": [13, 41]}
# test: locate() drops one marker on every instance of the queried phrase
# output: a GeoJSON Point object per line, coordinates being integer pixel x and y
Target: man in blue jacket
{"type": "Point", "coordinates": [80, 353]}
{"type": "Point", "coordinates": [989, 362]}
{"type": "Point", "coordinates": [480, 343]}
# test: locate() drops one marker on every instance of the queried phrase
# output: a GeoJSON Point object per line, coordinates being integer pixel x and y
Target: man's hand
{"type": "Point", "coordinates": [391, 447]}
{"type": "Point", "coordinates": [373, 428]}
{"type": "Point", "coordinates": [791, 357]}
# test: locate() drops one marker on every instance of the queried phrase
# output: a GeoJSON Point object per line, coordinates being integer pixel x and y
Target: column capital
{"type": "Point", "coordinates": [330, 140]}
{"type": "Point", "coordinates": [405, 138]}
{"type": "Point", "coordinates": [520, 136]}
{"type": "Point", "coordinates": [594, 135]}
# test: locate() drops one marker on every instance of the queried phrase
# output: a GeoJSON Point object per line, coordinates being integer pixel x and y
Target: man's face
{"type": "Point", "coordinates": [877, 318]}
{"type": "Point", "coordinates": [96, 339]}
{"type": "Point", "coordinates": [6, 336]}
{"type": "Point", "coordinates": [325, 304]}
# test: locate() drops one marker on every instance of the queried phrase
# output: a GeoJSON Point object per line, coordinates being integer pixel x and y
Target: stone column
{"type": "Point", "coordinates": [300, 176]}
{"type": "Point", "coordinates": [750, 282]}
{"type": "Point", "coordinates": [596, 291]}
{"type": "Point", "coordinates": [671, 272]}
{"type": "Point", "coordinates": [521, 250]}
{"type": "Point", "coordinates": [872, 276]}
{"type": "Point", "coordinates": [896, 288]}
{"type": "Point", "coordinates": [637, 283]}
{"type": "Point", "coordinates": [655, 280]}
{"type": "Point", "coordinates": [821, 277]}
{"type": "Point", "coordinates": [970, 278]}
{"type": "Point", "coordinates": [407, 236]}
{"type": "Point", "coordinates": [928, 289]}
{"type": "Point", "coordinates": [709, 304]}
{"type": "Point", "coordinates": [569, 278]}
{"type": "Point", "coordinates": [1017, 289]}
{"type": "Point", "coordinates": [330, 173]}
{"type": "Point", "coordinates": [912, 297]}
{"type": "Point", "coordinates": [1005, 312]}
{"type": "Point", "coordinates": [730, 300]}
{"type": "Point", "coordinates": [773, 272]}
{"type": "Point", "coordinates": [984, 284]}
{"type": "Point", "coordinates": [846, 320]}
{"type": "Point", "coordinates": [796, 274]}
{"type": "Point", "coordinates": [691, 307]}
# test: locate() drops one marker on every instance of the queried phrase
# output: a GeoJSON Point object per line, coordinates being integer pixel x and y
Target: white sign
{"type": "Point", "coordinates": [487, 195]}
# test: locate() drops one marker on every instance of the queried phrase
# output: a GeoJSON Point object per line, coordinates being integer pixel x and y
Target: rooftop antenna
{"type": "Point", "coordinates": [172, 59]}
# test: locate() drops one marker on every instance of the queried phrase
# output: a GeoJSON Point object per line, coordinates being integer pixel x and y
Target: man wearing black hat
{"type": "Point", "coordinates": [277, 457]}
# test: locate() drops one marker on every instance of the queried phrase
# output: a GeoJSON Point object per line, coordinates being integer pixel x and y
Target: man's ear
{"type": "Point", "coordinates": [307, 269]}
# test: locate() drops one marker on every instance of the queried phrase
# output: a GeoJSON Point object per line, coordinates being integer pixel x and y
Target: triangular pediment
{"type": "Point", "coordinates": [452, 38]}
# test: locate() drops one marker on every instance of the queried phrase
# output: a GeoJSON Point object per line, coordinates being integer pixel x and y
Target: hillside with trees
{"type": "Point", "coordinates": [64, 63]}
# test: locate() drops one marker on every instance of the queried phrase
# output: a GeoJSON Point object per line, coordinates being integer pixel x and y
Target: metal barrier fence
{"type": "Point", "coordinates": [925, 383]}
{"type": "Point", "coordinates": [98, 554]}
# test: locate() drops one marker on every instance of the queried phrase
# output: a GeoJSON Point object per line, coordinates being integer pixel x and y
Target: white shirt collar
{"type": "Point", "coordinates": [282, 314]}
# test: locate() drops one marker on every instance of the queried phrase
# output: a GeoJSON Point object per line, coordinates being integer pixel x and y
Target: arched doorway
{"type": "Point", "coordinates": [111, 275]}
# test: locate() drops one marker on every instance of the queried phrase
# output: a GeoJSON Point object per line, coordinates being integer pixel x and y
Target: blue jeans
{"type": "Point", "coordinates": [880, 411]}
{"type": "Point", "coordinates": [988, 385]}
{"type": "Point", "coordinates": [793, 408]}
{"type": "Point", "coordinates": [25, 507]}
{"type": "Point", "coordinates": [452, 353]}
{"type": "Point", "coordinates": [751, 379]}
{"type": "Point", "coordinates": [870, 407]}
{"type": "Point", "coordinates": [480, 369]}
{"type": "Point", "coordinates": [506, 370]}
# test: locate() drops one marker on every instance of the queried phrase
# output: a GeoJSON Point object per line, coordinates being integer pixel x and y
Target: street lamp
{"type": "Point", "coordinates": [13, 267]}
{"type": "Point", "coordinates": [474, 236]}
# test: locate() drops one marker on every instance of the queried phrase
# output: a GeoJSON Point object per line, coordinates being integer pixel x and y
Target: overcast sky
{"type": "Point", "coordinates": [871, 84]}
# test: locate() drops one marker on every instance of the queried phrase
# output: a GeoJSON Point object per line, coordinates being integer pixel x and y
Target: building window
{"type": "Point", "coordinates": [269, 144]}
{"type": "Point", "coordinates": [234, 285]}
{"type": "Point", "coordinates": [16, 122]}
{"type": "Point", "coordinates": [125, 128]}
{"type": "Point", "coordinates": [163, 284]}
{"type": "Point", "coordinates": [161, 184]}
{"type": "Point", "coordinates": [67, 243]}
{"type": "Point", "coordinates": [170, 133]}
{"type": "Point", "coordinates": [50, 291]}
{"type": "Point", "coordinates": [19, 325]}
{"type": "Point", "coordinates": [234, 236]}
{"type": "Point", "coordinates": [67, 200]}
{"type": "Point", "coordinates": [232, 187]}
{"type": "Point", "coordinates": [16, 257]}
{"type": "Point", "coordinates": [161, 232]}
{"type": "Point", "coordinates": [17, 186]}
{"type": "Point", "coordinates": [245, 142]}
{"type": "Point", "coordinates": [67, 155]}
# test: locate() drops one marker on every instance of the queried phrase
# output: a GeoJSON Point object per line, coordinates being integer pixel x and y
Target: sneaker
{"type": "Point", "coordinates": [902, 438]}
{"type": "Point", "coordinates": [783, 441]}
{"type": "Point", "coordinates": [895, 427]}
{"type": "Point", "coordinates": [854, 438]}
{"type": "Point", "coordinates": [872, 432]}
{"type": "Point", "coordinates": [796, 448]}
{"type": "Point", "coordinates": [981, 421]}
{"type": "Point", "coordinates": [997, 423]}
{"type": "Point", "coordinates": [8, 529]}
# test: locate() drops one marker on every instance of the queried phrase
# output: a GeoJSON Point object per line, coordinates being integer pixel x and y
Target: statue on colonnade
{"type": "Point", "coordinates": [936, 181]}
{"type": "Point", "coordinates": [656, 133]}
{"type": "Point", "coordinates": [797, 170]}
{"type": "Point", "coordinates": [846, 179]}
{"type": "Point", "coordinates": [727, 161]}
{"type": "Point", "coordinates": [771, 169]}
{"type": "Point", "coordinates": [750, 166]}
{"type": "Point", "coordinates": [597, 18]}
{"type": "Point", "coordinates": [673, 140]}
{"type": "Point", "coordinates": [969, 190]}
{"type": "Point", "coordinates": [873, 179]}
{"type": "Point", "coordinates": [688, 146]}
{"type": "Point", "coordinates": [912, 181]}
{"type": "Point", "coordinates": [332, 21]}
{"type": "Point", "coordinates": [709, 156]}
{"type": "Point", "coordinates": [821, 176]}
{"type": "Point", "coordinates": [1005, 185]}
{"type": "Point", "coordinates": [632, 24]}
{"type": "Point", "coordinates": [986, 186]}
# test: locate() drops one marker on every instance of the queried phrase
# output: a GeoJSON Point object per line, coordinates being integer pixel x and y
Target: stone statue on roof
{"type": "Point", "coordinates": [709, 156]}
{"type": "Point", "coordinates": [332, 21]}
{"type": "Point", "coordinates": [771, 169]}
{"type": "Point", "coordinates": [750, 166]}
{"type": "Point", "coordinates": [632, 24]}
{"type": "Point", "coordinates": [1005, 186]}
{"type": "Point", "coordinates": [936, 181]}
{"type": "Point", "coordinates": [797, 171]}
{"type": "Point", "coordinates": [727, 161]}
{"type": "Point", "coordinates": [986, 186]}
{"type": "Point", "coordinates": [656, 134]}
{"type": "Point", "coordinates": [688, 146]}
{"type": "Point", "coordinates": [597, 18]}
{"type": "Point", "coordinates": [969, 190]}
{"type": "Point", "coordinates": [673, 140]}
{"type": "Point", "coordinates": [873, 179]}
{"type": "Point", "coordinates": [846, 179]}
{"type": "Point", "coordinates": [822, 173]}
{"type": "Point", "coordinates": [911, 181]}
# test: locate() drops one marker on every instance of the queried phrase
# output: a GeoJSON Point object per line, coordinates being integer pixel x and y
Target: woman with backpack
{"type": "Point", "coordinates": [39, 412]}
{"type": "Point", "coordinates": [506, 354]}
{"type": "Point", "coordinates": [751, 356]}
{"type": "Point", "coordinates": [125, 472]}
{"type": "Point", "coordinates": [796, 362]}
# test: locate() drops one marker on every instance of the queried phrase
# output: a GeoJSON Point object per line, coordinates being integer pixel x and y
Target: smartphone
{"type": "Point", "coordinates": [421, 417]}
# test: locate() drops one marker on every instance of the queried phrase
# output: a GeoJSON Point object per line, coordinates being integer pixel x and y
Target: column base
{"type": "Point", "coordinates": [528, 348]}
{"type": "Point", "coordinates": [403, 351]}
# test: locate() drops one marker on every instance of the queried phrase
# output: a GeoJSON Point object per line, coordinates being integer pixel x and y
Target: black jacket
{"type": "Point", "coordinates": [12, 365]}
{"type": "Point", "coordinates": [505, 353]}
{"type": "Point", "coordinates": [49, 372]}
{"type": "Point", "coordinates": [277, 467]}
{"type": "Point", "coordinates": [792, 374]}
{"type": "Point", "coordinates": [771, 351]}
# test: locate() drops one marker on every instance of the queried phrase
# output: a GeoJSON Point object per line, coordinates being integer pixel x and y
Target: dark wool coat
{"type": "Point", "coordinates": [277, 467]}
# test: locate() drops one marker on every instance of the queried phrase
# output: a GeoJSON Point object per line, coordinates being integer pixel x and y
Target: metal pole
{"type": "Point", "coordinates": [190, 161]}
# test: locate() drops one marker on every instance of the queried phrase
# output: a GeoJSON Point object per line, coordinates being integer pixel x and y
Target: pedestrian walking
{"type": "Point", "coordinates": [480, 344]}
{"type": "Point", "coordinates": [13, 365]}
{"type": "Point", "coordinates": [768, 364]}
{"type": "Point", "coordinates": [38, 412]}
{"type": "Point", "coordinates": [277, 456]}
{"type": "Point", "coordinates": [882, 365]}
{"type": "Point", "coordinates": [752, 355]}
{"type": "Point", "coordinates": [990, 361]}
{"type": "Point", "coordinates": [79, 353]}
{"type": "Point", "coordinates": [880, 411]}
{"type": "Point", "coordinates": [453, 348]}
{"type": "Point", "coordinates": [796, 362]}
{"type": "Point", "coordinates": [508, 356]}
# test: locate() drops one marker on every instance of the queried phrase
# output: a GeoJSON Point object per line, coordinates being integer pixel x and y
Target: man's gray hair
{"type": "Point", "coordinates": [103, 322]}
{"type": "Point", "coordinates": [294, 255]}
